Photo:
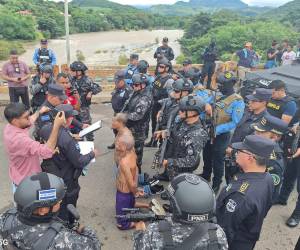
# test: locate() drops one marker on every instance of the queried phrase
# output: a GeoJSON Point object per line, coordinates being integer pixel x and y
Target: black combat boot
{"type": "Point", "coordinates": [112, 146]}
{"type": "Point", "coordinates": [293, 221]}
{"type": "Point", "coordinates": [162, 177]}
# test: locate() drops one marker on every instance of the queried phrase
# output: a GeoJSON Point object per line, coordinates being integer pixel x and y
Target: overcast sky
{"type": "Point", "coordinates": [151, 2]}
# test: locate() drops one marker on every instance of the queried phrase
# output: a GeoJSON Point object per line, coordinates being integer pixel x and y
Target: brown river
{"type": "Point", "coordinates": [104, 48]}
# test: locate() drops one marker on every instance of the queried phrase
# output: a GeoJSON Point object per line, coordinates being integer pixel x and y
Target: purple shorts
{"type": "Point", "coordinates": [124, 200]}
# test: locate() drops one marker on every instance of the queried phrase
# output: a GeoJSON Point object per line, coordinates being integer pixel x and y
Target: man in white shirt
{"type": "Point", "coordinates": [288, 56]}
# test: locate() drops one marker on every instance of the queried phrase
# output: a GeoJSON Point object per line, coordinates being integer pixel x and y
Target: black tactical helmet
{"type": "Point", "coordinates": [46, 68]}
{"type": "Point", "coordinates": [40, 190]}
{"type": "Point", "coordinates": [139, 78]}
{"type": "Point", "coordinates": [192, 103]}
{"type": "Point", "coordinates": [143, 66]}
{"type": "Point", "coordinates": [227, 77]}
{"type": "Point", "coordinates": [78, 66]}
{"type": "Point", "coordinates": [191, 198]}
{"type": "Point", "coordinates": [164, 61]}
{"type": "Point", "coordinates": [183, 85]}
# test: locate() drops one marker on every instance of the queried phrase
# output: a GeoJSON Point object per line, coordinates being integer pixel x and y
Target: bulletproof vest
{"type": "Point", "coordinates": [209, 55]}
{"type": "Point", "coordinates": [138, 126]}
{"type": "Point", "coordinates": [39, 98]}
{"type": "Point", "coordinates": [276, 107]}
{"type": "Point", "coordinates": [182, 138]}
{"type": "Point", "coordinates": [159, 91]}
{"type": "Point", "coordinates": [164, 51]}
{"type": "Point", "coordinates": [29, 239]}
{"type": "Point", "coordinates": [165, 230]}
{"type": "Point", "coordinates": [170, 106]}
{"type": "Point", "coordinates": [44, 56]}
{"type": "Point", "coordinates": [130, 71]}
{"type": "Point", "coordinates": [82, 85]}
{"type": "Point", "coordinates": [221, 107]}
{"type": "Point", "coordinates": [44, 119]}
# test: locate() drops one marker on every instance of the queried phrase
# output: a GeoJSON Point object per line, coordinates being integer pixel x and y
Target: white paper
{"type": "Point", "coordinates": [91, 128]}
{"type": "Point", "coordinates": [86, 147]}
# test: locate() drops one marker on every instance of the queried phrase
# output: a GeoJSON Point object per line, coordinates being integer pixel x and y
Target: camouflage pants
{"type": "Point", "coordinates": [85, 117]}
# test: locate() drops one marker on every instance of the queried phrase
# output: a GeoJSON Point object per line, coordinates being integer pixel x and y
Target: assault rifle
{"type": "Point", "coordinates": [127, 102]}
{"type": "Point", "coordinates": [135, 214]}
{"type": "Point", "coordinates": [160, 154]}
{"type": "Point", "coordinates": [213, 121]}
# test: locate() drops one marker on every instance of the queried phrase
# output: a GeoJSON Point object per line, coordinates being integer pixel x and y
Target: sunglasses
{"type": "Point", "coordinates": [162, 66]}
{"type": "Point", "coordinates": [177, 91]}
{"type": "Point", "coordinates": [245, 152]}
{"type": "Point", "coordinates": [136, 84]}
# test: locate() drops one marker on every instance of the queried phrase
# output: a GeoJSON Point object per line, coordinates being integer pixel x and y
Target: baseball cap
{"type": "Point", "coordinates": [57, 90]}
{"type": "Point", "coordinates": [257, 145]}
{"type": "Point", "coordinates": [260, 94]}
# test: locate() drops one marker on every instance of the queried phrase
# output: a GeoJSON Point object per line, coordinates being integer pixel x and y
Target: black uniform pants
{"type": "Point", "coordinates": [139, 140]}
{"type": "Point", "coordinates": [155, 109]}
{"type": "Point", "coordinates": [213, 158]}
{"type": "Point", "coordinates": [241, 245]}
{"type": "Point", "coordinates": [290, 176]}
{"type": "Point", "coordinates": [16, 92]}
{"type": "Point", "coordinates": [208, 70]}
{"type": "Point", "coordinates": [71, 197]}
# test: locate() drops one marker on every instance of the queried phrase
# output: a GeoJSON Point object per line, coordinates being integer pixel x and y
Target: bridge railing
{"type": "Point", "coordinates": [104, 73]}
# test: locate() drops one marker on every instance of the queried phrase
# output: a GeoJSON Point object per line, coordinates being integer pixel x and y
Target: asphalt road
{"type": "Point", "coordinates": [97, 196]}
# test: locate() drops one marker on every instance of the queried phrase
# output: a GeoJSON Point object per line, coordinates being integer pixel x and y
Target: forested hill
{"type": "Point", "coordinates": [195, 6]}
{"type": "Point", "coordinates": [288, 13]}
{"type": "Point", "coordinates": [28, 19]}
{"type": "Point", "coordinates": [103, 4]}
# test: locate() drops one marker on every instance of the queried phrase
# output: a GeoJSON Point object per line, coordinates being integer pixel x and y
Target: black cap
{"type": "Point", "coordinates": [165, 39]}
{"type": "Point", "coordinates": [68, 109]}
{"type": "Point", "coordinates": [227, 77]}
{"type": "Point", "coordinates": [119, 75]}
{"type": "Point", "coordinates": [257, 145]}
{"type": "Point", "coordinates": [277, 84]}
{"type": "Point", "coordinates": [57, 90]}
{"type": "Point", "coordinates": [187, 62]}
{"type": "Point", "coordinates": [134, 56]}
{"type": "Point", "coordinates": [260, 94]}
{"type": "Point", "coordinates": [139, 78]}
{"type": "Point", "coordinates": [44, 41]}
{"type": "Point", "coordinates": [13, 52]}
{"type": "Point", "coordinates": [269, 123]}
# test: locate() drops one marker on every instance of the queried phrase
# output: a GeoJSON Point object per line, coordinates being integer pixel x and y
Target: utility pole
{"type": "Point", "coordinates": [67, 32]}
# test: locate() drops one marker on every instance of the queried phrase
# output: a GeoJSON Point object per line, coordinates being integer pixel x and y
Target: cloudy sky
{"type": "Point", "coordinates": [250, 2]}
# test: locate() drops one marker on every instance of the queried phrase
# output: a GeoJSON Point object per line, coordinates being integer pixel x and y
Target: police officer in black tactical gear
{"type": "Point", "coordinates": [86, 89]}
{"type": "Point", "coordinates": [39, 85]}
{"type": "Point", "coordinates": [273, 128]}
{"type": "Point", "coordinates": [281, 105]}
{"type": "Point", "coordinates": [191, 225]}
{"type": "Point", "coordinates": [138, 109]}
{"type": "Point", "coordinates": [159, 92]}
{"type": "Point", "coordinates": [67, 162]}
{"type": "Point", "coordinates": [164, 51]}
{"type": "Point", "coordinates": [142, 68]}
{"type": "Point", "coordinates": [55, 96]}
{"type": "Point", "coordinates": [180, 89]}
{"type": "Point", "coordinates": [33, 223]}
{"type": "Point", "coordinates": [186, 141]}
{"type": "Point", "coordinates": [245, 202]}
{"type": "Point", "coordinates": [119, 96]}
{"type": "Point", "coordinates": [190, 72]}
{"type": "Point", "coordinates": [209, 58]}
